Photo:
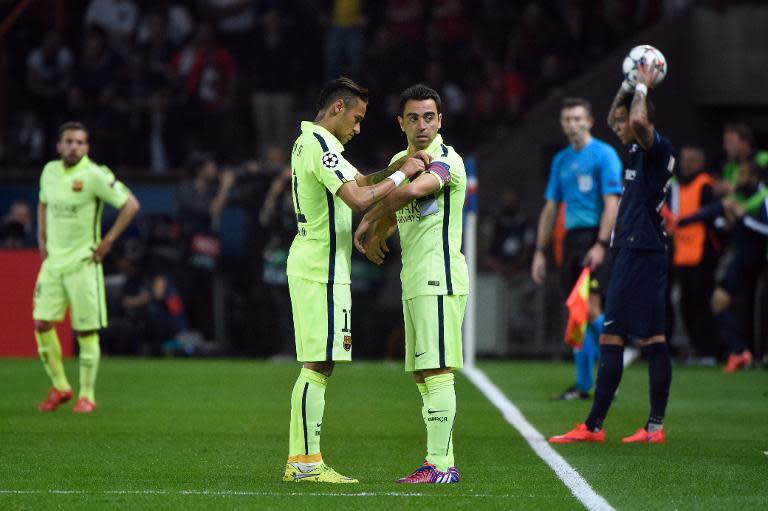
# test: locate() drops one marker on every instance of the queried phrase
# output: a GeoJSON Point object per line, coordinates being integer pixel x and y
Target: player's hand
{"type": "Point", "coordinates": [670, 223]}
{"type": "Point", "coordinates": [413, 166]}
{"type": "Point", "coordinates": [102, 250]}
{"type": "Point", "coordinates": [362, 229]}
{"type": "Point", "coordinates": [423, 156]}
{"type": "Point", "coordinates": [376, 249]}
{"type": "Point", "coordinates": [595, 256]}
{"type": "Point", "coordinates": [539, 267]}
{"type": "Point", "coordinates": [227, 179]}
{"type": "Point", "coordinates": [647, 74]}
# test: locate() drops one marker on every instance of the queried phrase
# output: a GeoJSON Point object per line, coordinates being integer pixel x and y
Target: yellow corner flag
{"type": "Point", "coordinates": [577, 304]}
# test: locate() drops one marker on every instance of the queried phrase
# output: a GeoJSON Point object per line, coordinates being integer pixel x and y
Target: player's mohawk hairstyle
{"type": "Point", "coordinates": [341, 88]}
{"type": "Point", "coordinates": [419, 92]}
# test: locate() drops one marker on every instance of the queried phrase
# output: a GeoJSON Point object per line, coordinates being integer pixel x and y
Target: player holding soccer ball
{"type": "Point", "coordinates": [635, 305]}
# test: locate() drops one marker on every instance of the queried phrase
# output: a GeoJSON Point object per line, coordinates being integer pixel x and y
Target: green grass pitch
{"type": "Point", "coordinates": [200, 434]}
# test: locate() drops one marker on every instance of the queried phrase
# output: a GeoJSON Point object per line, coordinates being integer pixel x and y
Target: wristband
{"type": "Point", "coordinates": [397, 177]}
{"type": "Point", "coordinates": [604, 243]}
{"type": "Point", "coordinates": [642, 89]}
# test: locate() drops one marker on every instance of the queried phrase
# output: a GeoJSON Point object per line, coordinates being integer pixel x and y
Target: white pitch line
{"type": "Point", "coordinates": [232, 493]}
{"type": "Point", "coordinates": [578, 486]}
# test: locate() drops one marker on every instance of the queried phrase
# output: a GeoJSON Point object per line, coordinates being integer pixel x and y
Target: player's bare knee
{"type": "Point", "coordinates": [612, 340]}
{"type": "Point", "coordinates": [720, 300]}
{"type": "Point", "coordinates": [325, 368]}
{"type": "Point", "coordinates": [426, 373]}
{"type": "Point", "coordinates": [43, 326]}
{"type": "Point", "coordinates": [656, 339]}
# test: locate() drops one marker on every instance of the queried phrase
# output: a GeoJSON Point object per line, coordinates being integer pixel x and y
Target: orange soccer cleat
{"type": "Point", "coordinates": [737, 361]}
{"type": "Point", "coordinates": [54, 399]}
{"type": "Point", "coordinates": [579, 434]}
{"type": "Point", "coordinates": [84, 405]}
{"type": "Point", "coordinates": [642, 435]}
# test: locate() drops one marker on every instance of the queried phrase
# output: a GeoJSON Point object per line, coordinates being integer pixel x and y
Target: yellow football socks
{"type": "Point", "coordinates": [441, 413]}
{"type": "Point", "coordinates": [90, 353]}
{"type": "Point", "coordinates": [307, 406]}
{"type": "Point", "coordinates": [49, 348]}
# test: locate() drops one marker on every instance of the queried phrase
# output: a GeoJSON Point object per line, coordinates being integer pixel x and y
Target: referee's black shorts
{"type": "Point", "coordinates": [575, 247]}
{"type": "Point", "coordinates": [636, 301]}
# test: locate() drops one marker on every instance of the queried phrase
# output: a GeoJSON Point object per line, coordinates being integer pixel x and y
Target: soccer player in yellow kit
{"type": "Point", "coordinates": [326, 188]}
{"type": "Point", "coordinates": [73, 191]}
{"type": "Point", "coordinates": [428, 213]}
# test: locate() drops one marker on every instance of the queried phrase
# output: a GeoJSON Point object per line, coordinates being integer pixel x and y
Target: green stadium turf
{"type": "Point", "coordinates": [200, 434]}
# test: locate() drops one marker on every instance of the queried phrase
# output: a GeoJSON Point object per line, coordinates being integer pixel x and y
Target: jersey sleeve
{"type": "Point", "coordinates": [660, 154]}
{"type": "Point", "coordinates": [553, 192]}
{"type": "Point", "coordinates": [108, 188]}
{"type": "Point", "coordinates": [610, 173]}
{"type": "Point", "coordinates": [43, 195]}
{"type": "Point", "coordinates": [333, 170]}
{"type": "Point", "coordinates": [441, 170]}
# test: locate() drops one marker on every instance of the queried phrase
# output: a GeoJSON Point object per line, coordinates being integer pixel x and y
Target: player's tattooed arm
{"type": "Point", "coordinates": [638, 114]}
{"type": "Point", "coordinates": [638, 120]}
{"type": "Point", "coordinates": [623, 92]}
{"type": "Point", "coordinates": [381, 175]}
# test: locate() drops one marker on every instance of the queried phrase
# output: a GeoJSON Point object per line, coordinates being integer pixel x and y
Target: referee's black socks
{"type": "Point", "coordinates": [608, 378]}
{"type": "Point", "coordinates": [659, 381]}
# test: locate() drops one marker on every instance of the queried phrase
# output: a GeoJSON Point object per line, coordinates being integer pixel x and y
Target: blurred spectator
{"type": "Point", "coordinates": [207, 77]}
{"type": "Point", "coordinates": [739, 147]}
{"type": "Point", "coordinates": [200, 202]}
{"type": "Point", "coordinates": [177, 21]}
{"type": "Point", "coordinates": [49, 72]}
{"type": "Point", "coordinates": [345, 40]}
{"type": "Point", "coordinates": [147, 313]}
{"type": "Point", "coordinates": [139, 101]}
{"type": "Point", "coordinates": [511, 237]}
{"type": "Point", "coordinates": [17, 228]}
{"type": "Point", "coordinates": [117, 18]}
{"type": "Point", "coordinates": [235, 23]}
{"type": "Point", "coordinates": [155, 41]}
{"type": "Point", "coordinates": [88, 100]}
{"type": "Point", "coordinates": [27, 146]}
{"type": "Point", "coordinates": [278, 219]}
{"type": "Point", "coordinates": [276, 73]}
{"type": "Point", "coordinates": [696, 252]}
{"type": "Point", "coordinates": [732, 301]}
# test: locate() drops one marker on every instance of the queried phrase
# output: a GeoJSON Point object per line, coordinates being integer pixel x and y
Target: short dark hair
{"type": "Point", "coordinates": [627, 103]}
{"type": "Point", "coordinates": [573, 102]}
{"type": "Point", "coordinates": [419, 92]}
{"type": "Point", "coordinates": [741, 130]}
{"type": "Point", "coordinates": [341, 88]}
{"type": "Point", "coordinates": [72, 126]}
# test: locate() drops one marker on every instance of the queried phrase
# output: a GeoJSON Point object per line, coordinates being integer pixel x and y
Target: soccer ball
{"type": "Point", "coordinates": [647, 54]}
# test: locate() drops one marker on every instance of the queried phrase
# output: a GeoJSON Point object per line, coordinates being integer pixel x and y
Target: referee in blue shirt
{"type": "Point", "coordinates": [586, 176]}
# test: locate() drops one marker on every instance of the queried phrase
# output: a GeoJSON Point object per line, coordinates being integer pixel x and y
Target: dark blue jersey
{"type": "Point", "coordinates": [639, 224]}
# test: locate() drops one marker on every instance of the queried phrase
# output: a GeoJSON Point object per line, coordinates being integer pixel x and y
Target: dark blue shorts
{"type": "Point", "coordinates": [636, 301]}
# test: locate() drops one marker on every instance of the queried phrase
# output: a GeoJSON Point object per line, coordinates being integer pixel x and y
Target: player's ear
{"type": "Point", "coordinates": [439, 121]}
{"type": "Point", "coordinates": [400, 122]}
{"type": "Point", "coordinates": [338, 106]}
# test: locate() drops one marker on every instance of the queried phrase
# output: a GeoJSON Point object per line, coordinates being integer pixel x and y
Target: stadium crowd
{"type": "Point", "coordinates": [209, 93]}
{"type": "Point", "coordinates": [158, 80]}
